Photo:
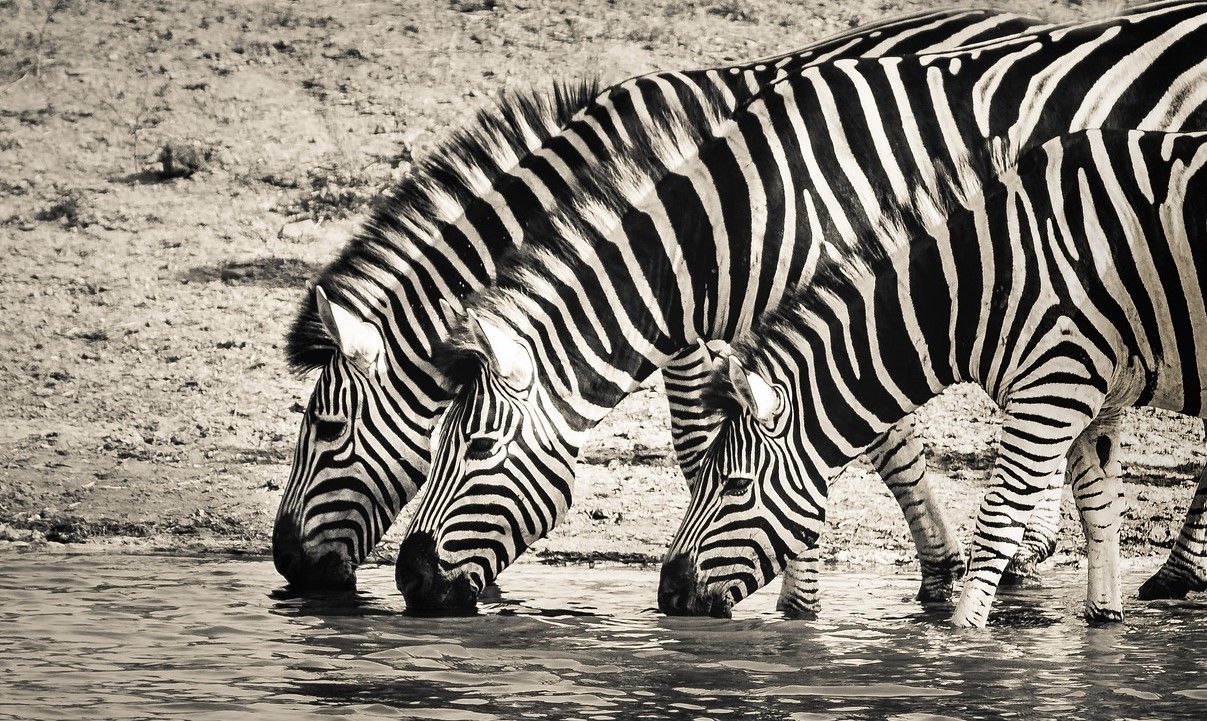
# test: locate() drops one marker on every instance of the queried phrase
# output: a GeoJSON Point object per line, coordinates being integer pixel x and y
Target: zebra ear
{"type": "Point", "coordinates": [755, 394]}
{"type": "Point", "coordinates": [357, 340]}
{"type": "Point", "coordinates": [508, 357]}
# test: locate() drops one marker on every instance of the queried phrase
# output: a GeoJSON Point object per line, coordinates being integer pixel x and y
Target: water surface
{"type": "Point", "coordinates": [102, 636]}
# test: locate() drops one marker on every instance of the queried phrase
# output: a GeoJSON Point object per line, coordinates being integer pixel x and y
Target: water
{"type": "Point", "coordinates": [153, 637]}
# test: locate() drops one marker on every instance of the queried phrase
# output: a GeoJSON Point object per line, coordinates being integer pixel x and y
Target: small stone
{"type": "Point", "coordinates": [298, 230]}
{"type": "Point", "coordinates": [181, 159]}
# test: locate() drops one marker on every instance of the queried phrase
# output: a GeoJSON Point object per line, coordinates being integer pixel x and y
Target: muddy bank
{"type": "Point", "coordinates": [144, 300]}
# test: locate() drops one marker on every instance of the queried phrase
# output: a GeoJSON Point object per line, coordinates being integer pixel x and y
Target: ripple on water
{"type": "Point", "coordinates": [159, 637]}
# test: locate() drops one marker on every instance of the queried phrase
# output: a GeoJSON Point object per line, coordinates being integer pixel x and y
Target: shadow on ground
{"type": "Point", "coordinates": [267, 272]}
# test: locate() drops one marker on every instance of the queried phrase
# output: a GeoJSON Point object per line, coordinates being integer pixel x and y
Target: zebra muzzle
{"type": "Point", "coordinates": [427, 589]}
{"type": "Point", "coordinates": [679, 592]}
{"type": "Point", "coordinates": [330, 570]}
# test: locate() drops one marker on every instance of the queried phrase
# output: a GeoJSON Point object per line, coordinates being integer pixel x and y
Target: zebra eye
{"type": "Point", "coordinates": [481, 447]}
{"type": "Point", "coordinates": [328, 430]}
{"type": "Point", "coordinates": [737, 485]}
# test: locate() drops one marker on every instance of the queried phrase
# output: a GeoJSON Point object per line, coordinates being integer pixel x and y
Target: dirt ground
{"type": "Point", "coordinates": [146, 400]}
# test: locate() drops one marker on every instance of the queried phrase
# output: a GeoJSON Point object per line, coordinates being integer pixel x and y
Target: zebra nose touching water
{"type": "Point", "coordinates": [705, 223]}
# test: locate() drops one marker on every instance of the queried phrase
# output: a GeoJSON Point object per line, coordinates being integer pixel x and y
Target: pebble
{"type": "Point", "coordinates": [298, 230]}
{"type": "Point", "coordinates": [181, 159]}
{"type": "Point", "coordinates": [21, 535]}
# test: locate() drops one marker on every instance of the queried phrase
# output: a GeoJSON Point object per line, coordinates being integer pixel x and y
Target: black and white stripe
{"type": "Point", "coordinates": [363, 448]}
{"type": "Point", "coordinates": [694, 235]}
{"type": "Point", "coordinates": [1074, 287]}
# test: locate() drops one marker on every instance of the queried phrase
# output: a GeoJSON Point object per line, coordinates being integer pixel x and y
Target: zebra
{"type": "Point", "coordinates": [1074, 287]}
{"type": "Point", "coordinates": [376, 313]}
{"type": "Point", "coordinates": [697, 230]}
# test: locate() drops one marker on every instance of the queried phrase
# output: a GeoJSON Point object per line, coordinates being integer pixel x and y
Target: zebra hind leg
{"type": "Point", "coordinates": [900, 458]}
{"type": "Point", "coordinates": [1185, 570]}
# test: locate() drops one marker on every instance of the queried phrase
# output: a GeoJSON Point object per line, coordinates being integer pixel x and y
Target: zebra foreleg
{"type": "Point", "coordinates": [1097, 478]}
{"type": "Point", "coordinates": [900, 458]}
{"type": "Point", "coordinates": [1185, 569]}
{"type": "Point", "coordinates": [799, 594]}
{"type": "Point", "coordinates": [1036, 436]}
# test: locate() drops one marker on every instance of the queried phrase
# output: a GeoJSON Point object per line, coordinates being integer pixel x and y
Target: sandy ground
{"type": "Point", "coordinates": [146, 401]}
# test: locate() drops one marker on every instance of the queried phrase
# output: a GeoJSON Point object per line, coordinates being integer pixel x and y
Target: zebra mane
{"type": "Point", "coordinates": [597, 198]}
{"type": "Point", "coordinates": [840, 271]}
{"type": "Point", "coordinates": [407, 217]}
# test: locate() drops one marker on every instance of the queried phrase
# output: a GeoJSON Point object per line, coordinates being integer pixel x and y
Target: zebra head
{"type": "Point", "coordinates": [347, 482]}
{"type": "Point", "coordinates": [745, 519]}
{"type": "Point", "coordinates": [501, 475]}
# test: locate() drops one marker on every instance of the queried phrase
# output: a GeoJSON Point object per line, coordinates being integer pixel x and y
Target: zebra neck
{"type": "Point", "coordinates": [864, 347]}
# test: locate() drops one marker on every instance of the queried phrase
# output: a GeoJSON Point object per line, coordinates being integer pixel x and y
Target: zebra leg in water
{"type": "Point", "coordinates": [684, 378]}
{"type": "Point", "coordinates": [1031, 449]}
{"type": "Point", "coordinates": [1185, 569]}
{"type": "Point", "coordinates": [900, 459]}
{"type": "Point", "coordinates": [1097, 478]}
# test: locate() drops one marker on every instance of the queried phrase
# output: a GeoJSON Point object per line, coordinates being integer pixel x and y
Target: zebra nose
{"type": "Point", "coordinates": [329, 570]}
{"type": "Point", "coordinates": [676, 587]}
{"type": "Point", "coordinates": [415, 572]}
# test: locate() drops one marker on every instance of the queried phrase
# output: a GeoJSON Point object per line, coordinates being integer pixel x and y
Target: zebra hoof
{"type": "Point", "coordinates": [938, 580]}
{"type": "Point", "coordinates": [935, 592]}
{"type": "Point", "coordinates": [1166, 585]}
{"type": "Point", "coordinates": [1018, 571]}
{"type": "Point", "coordinates": [799, 611]}
{"type": "Point", "coordinates": [1025, 563]}
{"type": "Point", "coordinates": [1098, 616]}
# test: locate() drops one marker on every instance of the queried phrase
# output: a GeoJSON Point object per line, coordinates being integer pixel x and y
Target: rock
{"type": "Point", "coordinates": [183, 158]}
{"type": "Point", "coordinates": [21, 535]}
{"type": "Point", "coordinates": [473, 6]}
{"type": "Point", "coordinates": [298, 230]}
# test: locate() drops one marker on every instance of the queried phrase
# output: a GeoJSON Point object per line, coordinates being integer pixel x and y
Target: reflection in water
{"type": "Point", "coordinates": [160, 637]}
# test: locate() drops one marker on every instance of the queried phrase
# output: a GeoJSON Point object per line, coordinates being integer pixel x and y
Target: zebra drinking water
{"type": "Point", "coordinates": [1073, 288]}
{"type": "Point", "coordinates": [378, 311]}
{"type": "Point", "coordinates": [694, 234]}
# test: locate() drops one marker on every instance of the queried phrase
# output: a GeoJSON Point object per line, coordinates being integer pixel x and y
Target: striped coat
{"type": "Point", "coordinates": [1073, 287]}
{"type": "Point", "coordinates": [698, 233]}
{"type": "Point", "coordinates": [371, 327]}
